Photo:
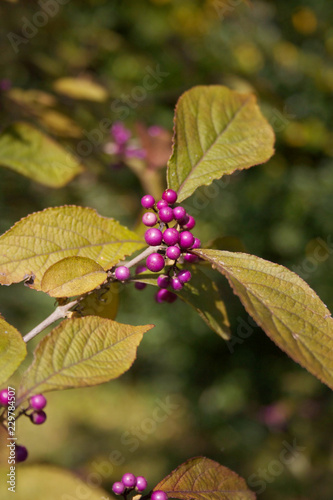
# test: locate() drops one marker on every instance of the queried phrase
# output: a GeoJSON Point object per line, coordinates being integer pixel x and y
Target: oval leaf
{"type": "Point", "coordinates": [203, 479]}
{"type": "Point", "coordinates": [40, 240]}
{"type": "Point", "coordinates": [82, 352]}
{"type": "Point", "coordinates": [13, 350]}
{"type": "Point", "coordinates": [33, 154]}
{"type": "Point", "coordinates": [81, 88]}
{"type": "Point", "coordinates": [217, 131]}
{"type": "Point", "coordinates": [103, 302]}
{"type": "Point", "coordinates": [284, 306]}
{"type": "Point", "coordinates": [72, 276]}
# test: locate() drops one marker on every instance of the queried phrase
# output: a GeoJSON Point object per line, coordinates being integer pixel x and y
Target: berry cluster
{"type": "Point", "coordinates": [130, 483]}
{"type": "Point", "coordinates": [37, 416]}
{"type": "Point", "coordinates": [174, 240]}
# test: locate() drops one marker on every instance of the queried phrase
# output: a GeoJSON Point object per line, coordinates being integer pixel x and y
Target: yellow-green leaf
{"type": "Point", "coordinates": [203, 479]}
{"type": "Point", "coordinates": [284, 306]}
{"type": "Point", "coordinates": [217, 131]}
{"type": "Point", "coordinates": [81, 88]}
{"type": "Point", "coordinates": [72, 276]}
{"type": "Point", "coordinates": [82, 352]}
{"type": "Point", "coordinates": [103, 302]}
{"type": "Point", "coordinates": [29, 152]}
{"type": "Point", "coordinates": [13, 350]}
{"type": "Point", "coordinates": [40, 240]}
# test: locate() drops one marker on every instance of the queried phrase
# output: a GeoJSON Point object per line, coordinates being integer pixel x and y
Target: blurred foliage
{"type": "Point", "coordinates": [237, 408]}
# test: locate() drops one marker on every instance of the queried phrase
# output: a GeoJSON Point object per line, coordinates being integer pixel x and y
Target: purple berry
{"type": "Point", "coordinates": [155, 262]}
{"type": "Point", "coordinates": [38, 402]}
{"type": "Point", "coordinates": [38, 417]}
{"type": "Point", "coordinates": [166, 214]}
{"type": "Point", "coordinates": [129, 480]}
{"type": "Point", "coordinates": [120, 133]}
{"type": "Point", "coordinates": [141, 483]}
{"type": "Point", "coordinates": [170, 196]}
{"type": "Point", "coordinates": [140, 286]}
{"type": "Point", "coordinates": [4, 397]}
{"type": "Point", "coordinates": [189, 257]}
{"type": "Point", "coordinates": [159, 495]}
{"type": "Point", "coordinates": [176, 284]}
{"type": "Point", "coordinates": [186, 239]}
{"type": "Point", "coordinates": [197, 243]}
{"type": "Point", "coordinates": [147, 201]}
{"type": "Point", "coordinates": [163, 281]}
{"type": "Point", "coordinates": [173, 253]}
{"type": "Point", "coordinates": [118, 488]}
{"type": "Point", "coordinates": [141, 268]}
{"type": "Point", "coordinates": [153, 237]}
{"type": "Point", "coordinates": [190, 224]}
{"type": "Point", "coordinates": [122, 273]}
{"type": "Point", "coordinates": [171, 236]}
{"type": "Point", "coordinates": [184, 275]}
{"type": "Point", "coordinates": [184, 221]}
{"type": "Point", "coordinates": [161, 204]}
{"type": "Point", "coordinates": [149, 219]}
{"type": "Point", "coordinates": [21, 453]}
{"type": "Point", "coordinates": [164, 295]}
{"type": "Point", "coordinates": [179, 213]}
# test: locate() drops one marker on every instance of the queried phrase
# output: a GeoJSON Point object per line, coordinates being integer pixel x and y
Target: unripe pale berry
{"type": "Point", "coordinates": [118, 488]}
{"type": "Point", "coordinates": [141, 483]}
{"type": "Point", "coordinates": [149, 219]}
{"type": "Point", "coordinates": [170, 196]}
{"type": "Point", "coordinates": [129, 480]}
{"type": "Point", "coordinates": [166, 214]}
{"type": "Point", "coordinates": [155, 262]}
{"type": "Point", "coordinates": [159, 495]}
{"type": "Point", "coordinates": [161, 204]}
{"type": "Point", "coordinates": [189, 257]}
{"type": "Point", "coordinates": [122, 273]}
{"type": "Point", "coordinates": [179, 213]}
{"type": "Point", "coordinates": [176, 284]}
{"type": "Point", "coordinates": [147, 201]}
{"type": "Point", "coordinates": [21, 453]}
{"type": "Point", "coordinates": [153, 237]}
{"type": "Point", "coordinates": [186, 239]}
{"type": "Point", "coordinates": [171, 236]}
{"type": "Point", "coordinates": [163, 281]}
{"type": "Point", "coordinates": [197, 243]}
{"type": "Point", "coordinates": [38, 402]}
{"type": "Point", "coordinates": [38, 417]}
{"type": "Point", "coordinates": [173, 253]}
{"type": "Point", "coordinates": [191, 222]}
{"type": "Point", "coordinates": [4, 397]}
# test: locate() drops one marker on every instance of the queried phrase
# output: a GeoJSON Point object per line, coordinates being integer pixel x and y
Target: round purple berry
{"type": "Point", "coordinates": [155, 262]}
{"type": "Point", "coordinates": [179, 213]}
{"type": "Point", "coordinates": [149, 219]}
{"type": "Point", "coordinates": [159, 495]}
{"type": "Point", "coordinates": [38, 402]}
{"type": "Point", "coordinates": [140, 286]}
{"type": "Point", "coordinates": [192, 259]}
{"type": "Point", "coordinates": [190, 224]}
{"type": "Point", "coordinates": [197, 243]}
{"type": "Point", "coordinates": [129, 480]}
{"type": "Point", "coordinates": [173, 253]}
{"type": "Point", "coordinates": [184, 221]}
{"type": "Point", "coordinates": [161, 204]}
{"type": "Point", "coordinates": [171, 236]}
{"type": "Point", "coordinates": [184, 275]}
{"type": "Point", "coordinates": [164, 295]}
{"type": "Point", "coordinates": [166, 214]}
{"type": "Point", "coordinates": [38, 417]}
{"type": "Point", "coordinates": [122, 273]}
{"type": "Point", "coordinates": [153, 237]}
{"type": "Point", "coordinates": [141, 483]}
{"type": "Point", "coordinates": [147, 201]}
{"type": "Point", "coordinates": [21, 453]}
{"type": "Point", "coordinates": [176, 284]}
{"type": "Point", "coordinates": [118, 488]}
{"type": "Point", "coordinates": [163, 281]}
{"type": "Point", "coordinates": [4, 397]}
{"type": "Point", "coordinates": [141, 268]}
{"type": "Point", "coordinates": [186, 239]}
{"type": "Point", "coordinates": [170, 196]}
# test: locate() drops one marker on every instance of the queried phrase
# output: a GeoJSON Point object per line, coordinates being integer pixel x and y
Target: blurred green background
{"type": "Point", "coordinates": [238, 405]}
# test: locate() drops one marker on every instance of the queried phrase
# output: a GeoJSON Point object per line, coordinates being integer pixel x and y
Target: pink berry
{"type": "Point", "coordinates": [189, 257]}
{"type": "Point", "coordinates": [163, 281]}
{"type": "Point", "coordinates": [190, 224]}
{"type": "Point", "coordinates": [141, 483]}
{"type": "Point", "coordinates": [176, 284]}
{"type": "Point", "coordinates": [164, 295]}
{"type": "Point", "coordinates": [179, 213]}
{"type": "Point", "coordinates": [173, 253]}
{"type": "Point", "coordinates": [149, 219]}
{"type": "Point", "coordinates": [153, 237]}
{"type": "Point", "coordinates": [186, 239]}
{"type": "Point", "coordinates": [161, 204]}
{"type": "Point", "coordinates": [122, 273]}
{"type": "Point", "coordinates": [171, 236]}
{"type": "Point", "coordinates": [129, 480]}
{"type": "Point", "coordinates": [118, 488]}
{"type": "Point", "coordinates": [4, 397]}
{"type": "Point", "coordinates": [197, 243]}
{"type": "Point", "coordinates": [155, 262]}
{"type": "Point", "coordinates": [147, 201]}
{"type": "Point", "coordinates": [38, 417]}
{"type": "Point", "coordinates": [21, 453]}
{"type": "Point", "coordinates": [159, 495]}
{"type": "Point", "coordinates": [166, 214]}
{"type": "Point", "coordinates": [170, 196]}
{"type": "Point", "coordinates": [184, 275]}
{"type": "Point", "coordinates": [38, 402]}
